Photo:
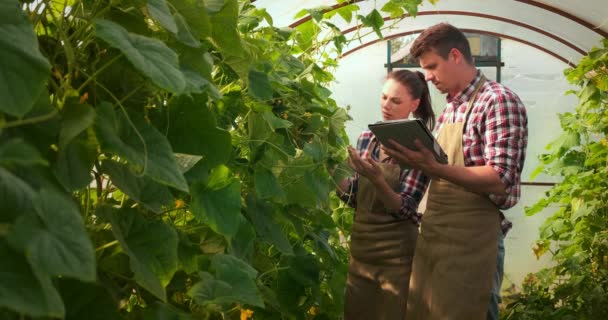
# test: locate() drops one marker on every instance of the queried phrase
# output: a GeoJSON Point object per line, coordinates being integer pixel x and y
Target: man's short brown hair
{"type": "Point", "coordinates": [441, 38]}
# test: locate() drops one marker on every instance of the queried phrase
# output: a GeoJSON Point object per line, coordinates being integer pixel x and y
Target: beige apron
{"type": "Point", "coordinates": [382, 249]}
{"type": "Point", "coordinates": [456, 252]}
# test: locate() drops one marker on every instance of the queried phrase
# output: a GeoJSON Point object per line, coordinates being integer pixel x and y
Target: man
{"type": "Point", "coordinates": [483, 129]}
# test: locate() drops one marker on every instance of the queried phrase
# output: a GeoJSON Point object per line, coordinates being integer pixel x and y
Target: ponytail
{"type": "Point", "coordinates": [425, 108]}
{"type": "Point", "coordinates": [419, 89]}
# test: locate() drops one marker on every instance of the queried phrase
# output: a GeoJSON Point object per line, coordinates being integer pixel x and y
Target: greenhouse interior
{"type": "Point", "coordinates": [213, 159]}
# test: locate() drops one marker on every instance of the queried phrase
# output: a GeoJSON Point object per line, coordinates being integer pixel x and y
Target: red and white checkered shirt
{"type": "Point", "coordinates": [412, 185]}
{"type": "Point", "coordinates": [496, 133]}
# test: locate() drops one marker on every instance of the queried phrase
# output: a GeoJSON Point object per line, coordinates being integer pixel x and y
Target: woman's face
{"type": "Point", "coordinates": [396, 101]}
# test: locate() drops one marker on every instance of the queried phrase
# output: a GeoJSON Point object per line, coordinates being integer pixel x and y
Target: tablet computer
{"type": "Point", "coordinates": [404, 132]}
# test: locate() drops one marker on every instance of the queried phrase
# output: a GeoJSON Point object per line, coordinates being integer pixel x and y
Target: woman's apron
{"type": "Point", "coordinates": [455, 257]}
{"type": "Point", "coordinates": [381, 253]}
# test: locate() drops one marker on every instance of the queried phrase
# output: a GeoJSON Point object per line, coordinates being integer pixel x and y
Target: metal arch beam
{"type": "Point", "coordinates": [566, 15]}
{"type": "Point", "coordinates": [539, 5]}
{"type": "Point", "coordinates": [495, 34]}
{"type": "Point", "coordinates": [492, 17]}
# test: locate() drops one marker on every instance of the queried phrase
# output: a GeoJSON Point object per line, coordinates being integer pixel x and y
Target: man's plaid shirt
{"type": "Point", "coordinates": [495, 134]}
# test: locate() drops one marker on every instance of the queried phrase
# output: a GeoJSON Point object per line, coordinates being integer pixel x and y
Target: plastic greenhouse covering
{"type": "Point", "coordinates": [189, 159]}
{"type": "Point", "coordinates": [539, 39]}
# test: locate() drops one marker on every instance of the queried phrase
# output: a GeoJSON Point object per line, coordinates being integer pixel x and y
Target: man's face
{"type": "Point", "coordinates": [441, 72]}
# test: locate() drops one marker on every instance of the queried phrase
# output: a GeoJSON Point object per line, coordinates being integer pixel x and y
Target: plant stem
{"type": "Point", "coordinates": [31, 120]}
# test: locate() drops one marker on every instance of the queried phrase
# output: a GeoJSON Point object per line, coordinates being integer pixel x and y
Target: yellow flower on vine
{"type": "Point", "coordinates": [179, 203]}
{"type": "Point", "coordinates": [246, 314]}
{"type": "Point", "coordinates": [313, 311]}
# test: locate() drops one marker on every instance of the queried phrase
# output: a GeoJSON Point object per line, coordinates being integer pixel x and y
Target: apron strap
{"type": "Point", "coordinates": [478, 86]}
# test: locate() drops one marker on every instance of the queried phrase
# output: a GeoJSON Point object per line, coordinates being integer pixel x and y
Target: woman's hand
{"type": "Point", "coordinates": [367, 168]}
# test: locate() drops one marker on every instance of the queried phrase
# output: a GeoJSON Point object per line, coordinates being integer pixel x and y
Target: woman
{"type": "Point", "coordinates": [386, 199]}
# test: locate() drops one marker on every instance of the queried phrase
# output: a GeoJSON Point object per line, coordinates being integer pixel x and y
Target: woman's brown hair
{"type": "Point", "coordinates": [417, 86]}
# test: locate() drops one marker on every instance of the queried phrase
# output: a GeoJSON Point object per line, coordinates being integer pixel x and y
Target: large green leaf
{"type": "Point", "coordinates": [54, 238]}
{"type": "Point", "coordinates": [159, 10]}
{"type": "Point", "coordinates": [234, 282]}
{"type": "Point", "coordinates": [259, 85]}
{"type": "Point", "coordinates": [275, 122]}
{"type": "Point", "coordinates": [75, 119]}
{"type": "Point", "coordinates": [155, 157]}
{"type": "Point", "coordinates": [141, 189]}
{"type": "Point", "coordinates": [23, 69]}
{"type": "Point", "coordinates": [87, 301]}
{"type": "Point", "coordinates": [151, 246]}
{"type": "Point", "coordinates": [19, 152]}
{"type": "Point", "coordinates": [266, 184]}
{"type": "Point", "coordinates": [373, 20]}
{"type": "Point", "coordinates": [218, 203]}
{"type": "Point", "coordinates": [74, 162]}
{"type": "Point", "coordinates": [193, 130]}
{"type": "Point", "coordinates": [195, 15]}
{"type": "Point", "coordinates": [24, 291]}
{"type": "Point", "coordinates": [242, 244]}
{"type": "Point", "coordinates": [16, 196]}
{"type": "Point", "coordinates": [264, 218]}
{"type": "Point", "coordinates": [183, 32]}
{"type": "Point", "coordinates": [150, 56]}
{"type": "Point", "coordinates": [225, 33]}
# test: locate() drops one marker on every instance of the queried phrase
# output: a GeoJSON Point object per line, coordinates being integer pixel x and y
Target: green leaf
{"type": "Point", "coordinates": [266, 184]}
{"type": "Point", "coordinates": [275, 122]}
{"type": "Point", "coordinates": [264, 218]}
{"type": "Point", "coordinates": [24, 291]}
{"type": "Point", "coordinates": [310, 189]}
{"type": "Point", "coordinates": [315, 151]}
{"type": "Point", "coordinates": [16, 196]}
{"type": "Point", "coordinates": [151, 246]}
{"type": "Point", "coordinates": [74, 163]}
{"type": "Point", "coordinates": [346, 12]}
{"type": "Point", "coordinates": [18, 152]}
{"type": "Point", "coordinates": [375, 21]}
{"type": "Point", "coordinates": [307, 32]}
{"type": "Point", "coordinates": [242, 244]}
{"type": "Point", "coordinates": [153, 154]}
{"type": "Point", "coordinates": [183, 34]}
{"type": "Point", "coordinates": [304, 269]}
{"type": "Point", "coordinates": [186, 161]}
{"type": "Point", "coordinates": [259, 85]}
{"type": "Point", "coordinates": [214, 6]}
{"type": "Point", "coordinates": [196, 18]}
{"type": "Point", "coordinates": [394, 9]}
{"type": "Point", "coordinates": [187, 253]}
{"type": "Point", "coordinates": [218, 204]}
{"type": "Point", "coordinates": [148, 55]}
{"type": "Point", "coordinates": [337, 120]}
{"type": "Point", "coordinates": [76, 118]}
{"type": "Point", "coordinates": [581, 209]}
{"type": "Point", "coordinates": [23, 69]}
{"type": "Point", "coordinates": [159, 10]}
{"type": "Point", "coordinates": [225, 26]}
{"type": "Point", "coordinates": [537, 207]}
{"type": "Point", "coordinates": [195, 83]}
{"type": "Point", "coordinates": [193, 130]}
{"type": "Point", "coordinates": [141, 189]}
{"type": "Point", "coordinates": [54, 238]}
{"type": "Point", "coordinates": [411, 6]}
{"type": "Point", "coordinates": [234, 282]}
{"type": "Point", "coordinates": [87, 301]}
{"type": "Point", "coordinates": [567, 140]}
